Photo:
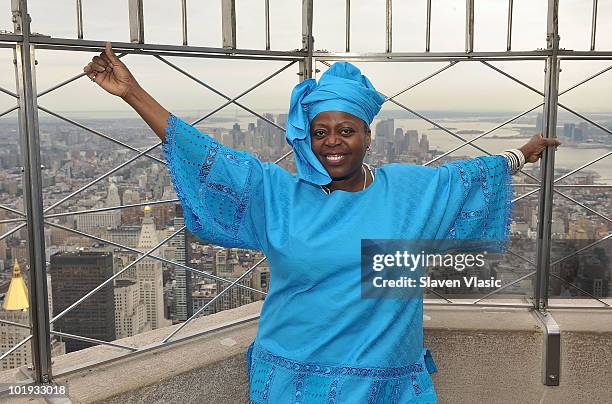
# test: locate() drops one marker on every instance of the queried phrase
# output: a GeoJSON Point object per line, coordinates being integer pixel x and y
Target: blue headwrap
{"type": "Point", "coordinates": [341, 88]}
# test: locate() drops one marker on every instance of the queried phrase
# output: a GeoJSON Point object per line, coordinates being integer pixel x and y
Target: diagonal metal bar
{"type": "Point", "coordinates": [580, 289]}
{"type": "Point", "coordinates": [282, 69]}
{"type": "Point", "coordinates": [483, 134]}
{"type": "Point", "coordinates": [12, 210]}
{"type": "Point", "coordinates": [601, 240]}
{"type": "Point", "coordinates": [192, 77]}
{"type": "Point", "coordinates": [585, 80]}
{"type": "Point", "coordinates": [95, 132]}
{"type": "Point", "coordinates": [424, 79]}
{"type": "Point", "coordinates": [585, 165]}
{"type": "Point", "coordinates": [93, 340]}
{"type": "Point", "coordinates": [84, 187]}
{"type": "Point", "coordinates": [16, 347]}
{"type": "Point", "coordinates": [607, 219]}
{"type": "Point", "coordinates": [13, 230]}
{"type": "Point", "coordinates": [201, 309]}
{"type": "Point", "coordinates": [284, 156]}
{"type": "Point", "coordinates": [67, 81]}
{"type": "Point", "coordinates": [586, 119]}
{"type": "Point", "coordinates": [106, 282]}
{"type": "Point", "coordinates": [155, 257]}
{"type": "Point", "coordinates": [134, 205]}
{"type": "Point", "coordinates": [8, 111]}
{"type": "Point", "coordinates": [12, 220]}
{"type": "Point", "coordinates": [9, 92]}
{"type": "Point", "coordinates": [511, 77]}
{"type": "Point", "coordinates": [505, 286]}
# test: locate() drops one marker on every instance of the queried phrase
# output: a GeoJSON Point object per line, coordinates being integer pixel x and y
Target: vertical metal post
{"type": "Point", "coordinates": [228, 23]}
{"type": "Point", "coordinates": [30, 150]}
{"type": "Point", "coordinates": [136, 17]}
{"type": "Point", "coordinates": [594, 25]}
{"type": "Point", "coordinates": [428, 27]}
{"type": "Point", "coordinates": [184, 21]}
{"type": "Point", "coordinates": [469, 26]}
{"type": "Point", "coordinates": [348, 25]}
{"type": "Point", "coordinates": [509, 34]}
{"type": "Point", "coordinates": [389, 39]}
{"type": "Point", "coordinates": [551, 353]}
{"type": "Point", "coordinates": [307, 40]}
{"type": "Point", "coordinates": [79, 5]}
{"type": "Point", "coordinates": [547, 162]}
{"type": "Point", "coordinates": [267, 6]}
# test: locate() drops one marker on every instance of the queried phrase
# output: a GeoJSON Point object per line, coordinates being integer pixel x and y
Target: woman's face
{"type": "Point", "coordinates": [339, 140]}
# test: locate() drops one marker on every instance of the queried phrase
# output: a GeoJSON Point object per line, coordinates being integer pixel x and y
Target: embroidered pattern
{"type": "Point", "coordinates": [334, 370]}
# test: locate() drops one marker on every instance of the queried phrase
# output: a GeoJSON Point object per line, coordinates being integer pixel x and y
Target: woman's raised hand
{"type": "Point", "coordinates": [110, 73]}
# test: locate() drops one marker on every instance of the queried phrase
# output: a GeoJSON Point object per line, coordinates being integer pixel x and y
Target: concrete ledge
{"type": "Point", "coordinates": [491, 355]}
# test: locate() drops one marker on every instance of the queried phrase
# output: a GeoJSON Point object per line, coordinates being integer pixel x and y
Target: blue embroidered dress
{"type": "Point", "coordinates": [318, 341]}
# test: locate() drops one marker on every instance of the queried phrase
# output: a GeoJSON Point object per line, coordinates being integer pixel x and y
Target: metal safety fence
{"type": "Point", "coordinates": [309, 61]}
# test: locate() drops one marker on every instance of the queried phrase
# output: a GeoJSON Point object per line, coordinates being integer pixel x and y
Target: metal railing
{"type": "Point", "coordinates": [24, 44]}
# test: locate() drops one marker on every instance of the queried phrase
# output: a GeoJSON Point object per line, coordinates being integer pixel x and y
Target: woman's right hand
{"type": "Point", "coordinates": [110, 73]}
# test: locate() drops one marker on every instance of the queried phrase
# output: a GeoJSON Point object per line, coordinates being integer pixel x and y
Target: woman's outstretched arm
{"type": "Point", "coordinates": [112, 75]}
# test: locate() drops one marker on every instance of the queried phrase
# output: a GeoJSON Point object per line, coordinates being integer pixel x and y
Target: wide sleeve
{"type": "Point", "coordinates": [481, 194]}
{"type": "Point", "coordinates": [220, 189]}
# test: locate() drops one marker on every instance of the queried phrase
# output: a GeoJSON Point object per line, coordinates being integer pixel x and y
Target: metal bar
{"type": "Point", "coordinates": [306, 64]}
{"type": "Point", "coordinates": [509, 32]}
{"type": "Point", "coordinates": [70, 80]}
{"type": "Point", "coordinates": [228, 23]}
{"type": "Point", "coordinates": [581, 290]}
{"type": "Point", "coordinates": [25, 74]}
{"type": "Point", "coordinates": [552, 348]}
{"type": "Point", "coordinates": [583, 166]}
{"type": "Point", "coordinates": [347, 20]}
{"type": "Point", "coordinates": [13, 230]}
{"type": "Point", "coordinates": [19, 325]}
{"type": "Point", "coordinates": [518, 184]}
{"type": "Point", "coordinates": [136, 18]}
{"type": "Point", "coordinates": [15, 347]}
{"type": "Point", "coordinates": [422, 80]}
{"type": "Point", "coordinates": [482, 134]}
{"type": "Point", "coordinates": [469, 26]}
{"type": "Point", "coordinates": [11, 220]}
{"type": "Point", "coordinates": [608, 131]}
{"type": "Point", "coordinates": [506, 286]}
{"type": "Point", "coordinates": [119, 167]}
{"type": "Point", "coordinates": [560, 260]}
{"type": "Point", "coordinates": [428, 27]}
{"type": "Point", "coordinates": [267, 16]}
{"type": "Point", "coordinates": [133, 205]}
{"type": "Point", "coordinates": [607, 219]}
{"type": "Point", "coordinates": [211, 301]}
{"type": "Point", "coordinates": [155, 257]}
{"type": "Point", "coordinates": [192, 77]}
{"type": "Point", "coordinates": [106, 282]}
{"type": "Point", "coordinates": [8, 92]}
{"type": "Point", "coordinates": [547, 160]}
{"type": "Point", "coordinates": [594, 25]}
{"type": "Point", "coordinates": [95, 132]}
{"type": "Point", "coordinates": [15, 211]}
{"type": "Point", "coordinates": [511, 77]}
{"type": "Point", "coordinates": [585, 80]}
{"type": "Point", "coordinates": [373, 56]}
{"type": "Point", "coordinates": [389, 27]}
{"type": "Point", "coordinates": [184, 21]}
{"type": "Point", "coordinates": [244, 92]}
{"type": "Point", "coordinates": [79, 13]}
{"type": "Point", "coordinates": [284, 156]}
{"type": "Point", "coordinates": [93, 340]}
{"type": "Point", "coordinates": [169, 50]}
{"type": "Point", "coordinates": [429, 302]}
{"type": "Point", "coordinates": [8, 111]}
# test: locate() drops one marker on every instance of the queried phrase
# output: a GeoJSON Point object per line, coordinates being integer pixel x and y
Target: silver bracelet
{"type": "Point", "coordinates": [516, 159]}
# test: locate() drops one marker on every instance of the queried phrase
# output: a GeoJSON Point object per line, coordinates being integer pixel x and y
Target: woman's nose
{"type": "Point", "coordinates": [333, 139]}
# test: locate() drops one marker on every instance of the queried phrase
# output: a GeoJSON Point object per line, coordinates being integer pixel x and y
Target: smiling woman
{"type": "Point", "coordinates": [318, 340]}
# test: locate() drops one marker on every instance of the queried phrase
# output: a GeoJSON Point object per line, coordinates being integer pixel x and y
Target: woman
{"type": "Point", "coordinates": [318, 340]}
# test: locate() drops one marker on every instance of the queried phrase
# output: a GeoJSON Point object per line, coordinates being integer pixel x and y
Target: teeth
{"type": "Point", "coordinates": [334, 157]}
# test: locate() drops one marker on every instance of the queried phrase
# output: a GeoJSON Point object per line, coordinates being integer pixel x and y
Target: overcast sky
{"type": "Point", "coordinates": [467, 86]}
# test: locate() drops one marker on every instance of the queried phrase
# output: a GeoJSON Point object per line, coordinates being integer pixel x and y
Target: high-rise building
{"type": "Point", "coordinates": [183, 302]}
{"type": "Point", "coordinates": [149, 274]}
{"type": "Point", "coordinates": [384, 133]}
{"type": "Point", "coordinates": [73, 275]}
{"type": "Point", "coordinates": [95, 223]}
{"type": "Point", "coordinates": [130, 310]}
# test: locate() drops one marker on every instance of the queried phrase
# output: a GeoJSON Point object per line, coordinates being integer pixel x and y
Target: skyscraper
{"type": "Point", "coordinates": [184, 307]}
{"type": "Point", "coordinates": [73, 275]}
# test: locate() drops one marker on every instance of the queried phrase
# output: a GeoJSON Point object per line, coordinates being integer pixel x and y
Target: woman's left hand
{"type": "Point", "coordinates": [536, 145]}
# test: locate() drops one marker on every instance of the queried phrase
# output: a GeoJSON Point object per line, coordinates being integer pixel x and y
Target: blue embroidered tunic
{"type": "Point", "coordinates": [318, 341]}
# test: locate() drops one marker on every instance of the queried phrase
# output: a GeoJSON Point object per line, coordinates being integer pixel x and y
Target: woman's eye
{"type": "Point", "coordinates": [347, 131]}
{"type": "Point", "coordinates": [319, 133]}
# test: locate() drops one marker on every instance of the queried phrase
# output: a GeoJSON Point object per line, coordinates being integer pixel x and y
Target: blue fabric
{"type": "Point", "coordinates": [341, 88]}
{"type": "Point", "coordinates": [317, 338]}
